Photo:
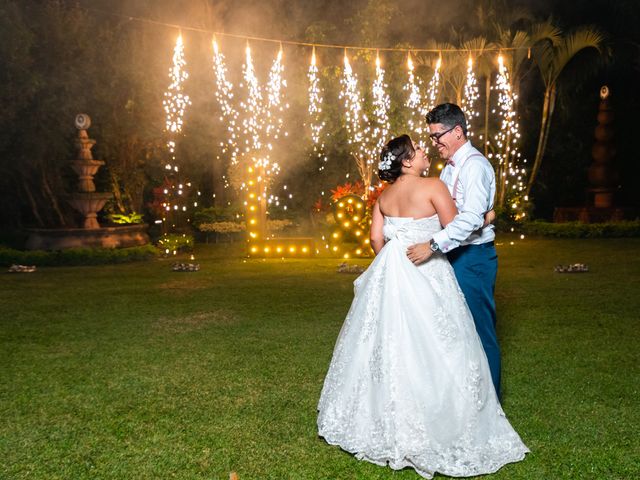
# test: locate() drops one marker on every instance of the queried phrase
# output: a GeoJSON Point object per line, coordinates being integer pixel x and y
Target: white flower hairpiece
{"type": "Point", "coordinates": [385, 164]}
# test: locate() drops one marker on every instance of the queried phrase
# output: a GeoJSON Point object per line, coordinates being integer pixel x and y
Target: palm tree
{"type": "Point", "coordinates": [454, 74]}
{"type": "Point", "coordinates": [517, 45]}
{"type": "Point", "coordinates": [497, 15]}
{"type": "Point", "coordinates": [515, 48]}
{"type": "Point", "coordinates": [551, 60]}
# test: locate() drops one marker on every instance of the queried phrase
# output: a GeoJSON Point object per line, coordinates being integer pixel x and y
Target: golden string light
{"type": "Point", "coordinates": [252, 123]}
{"type": "Point", "coordinates": [350, 237]}
{"type": "Point", "coordinates": [454, 50]}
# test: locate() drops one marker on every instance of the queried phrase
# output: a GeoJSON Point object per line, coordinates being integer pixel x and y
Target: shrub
{"type": "Point", "coordinates": [76, 256]}
{"type": "Point", "coordinates": [215, 214]}
{"type": "Point", "coordinates": [222, 227]}
{"type": "Point", "coordinates": [175, 242]}
{"type": "Point", "coordinates": [583, 230]}
{"type": "Point", "coordinates": [278, 225]}
{"type": "Point", "coordinates": [124, 219]}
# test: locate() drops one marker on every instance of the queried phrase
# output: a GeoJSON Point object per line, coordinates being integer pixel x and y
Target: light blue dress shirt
{"type": "Point", "coordinates": [474, 180]}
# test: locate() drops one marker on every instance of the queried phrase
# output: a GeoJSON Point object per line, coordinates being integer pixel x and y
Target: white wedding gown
{"type": "Point", "coordinates": [409, 383]}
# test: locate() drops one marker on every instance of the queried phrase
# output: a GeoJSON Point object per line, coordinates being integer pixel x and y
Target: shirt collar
{"type": "Point", "coordinates": [461, 154]}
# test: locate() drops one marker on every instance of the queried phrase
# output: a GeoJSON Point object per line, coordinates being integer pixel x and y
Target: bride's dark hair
{"type": "Point", "coordinates": [395, 151]}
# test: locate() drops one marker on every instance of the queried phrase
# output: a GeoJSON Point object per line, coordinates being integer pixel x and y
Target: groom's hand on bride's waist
{"type": "Point", "coordinates": [419, 253]}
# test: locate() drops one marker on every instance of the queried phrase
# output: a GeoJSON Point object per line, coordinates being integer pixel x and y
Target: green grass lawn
{"type": "Point", "coordinates": [134, 371]}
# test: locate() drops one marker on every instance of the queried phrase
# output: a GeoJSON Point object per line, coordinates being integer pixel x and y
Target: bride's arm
{"type": "Point", "coordinates": [443, 203]}
{"type": "Point", "coordinates": [489, 217]}
{"type": "Point", "coordinates": [446, 209]}
{"type": "Point", "coordinates": [376, 236]}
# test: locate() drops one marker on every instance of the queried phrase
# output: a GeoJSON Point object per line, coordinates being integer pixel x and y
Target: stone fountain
{"type": "Point", "coordinates": [88, 202]}
{"type": "Point", "coordinates": [602, 174]}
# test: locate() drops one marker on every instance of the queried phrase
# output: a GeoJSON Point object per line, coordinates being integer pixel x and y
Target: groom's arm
{"type": "Point", "coordinates": [476, 179]}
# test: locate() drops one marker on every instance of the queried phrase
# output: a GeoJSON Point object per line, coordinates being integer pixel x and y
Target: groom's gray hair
{"type": "Point", "coordinates": [449, 115]}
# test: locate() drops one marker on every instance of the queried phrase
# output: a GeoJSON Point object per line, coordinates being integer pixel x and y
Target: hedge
{"type": "Point", "coordinates": [76, 256]}
{"type": "Point", "coordinates": [583, 230]}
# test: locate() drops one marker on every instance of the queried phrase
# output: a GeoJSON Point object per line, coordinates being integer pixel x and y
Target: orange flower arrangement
{"type": "Point", "coordinates": [348, 188]}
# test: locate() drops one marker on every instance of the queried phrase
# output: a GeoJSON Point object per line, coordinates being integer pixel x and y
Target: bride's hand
{"type": "Point", "coordinates": [419, 253]}
{"type": "Point", "coordinates": [489, 217]}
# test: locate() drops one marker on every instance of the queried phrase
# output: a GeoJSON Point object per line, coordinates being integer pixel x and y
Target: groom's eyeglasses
{"type": "Point", "coordinates": [435, 137]}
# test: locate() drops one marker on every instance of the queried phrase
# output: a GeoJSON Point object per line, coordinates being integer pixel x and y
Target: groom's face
{"type": "Point", "coordinates": [445, 139]}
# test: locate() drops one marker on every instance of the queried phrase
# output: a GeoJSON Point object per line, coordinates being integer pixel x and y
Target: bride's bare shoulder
{"type": "Point", "coordinates": [431, 182]}
{"type": "Point", "coordinates": [433, 186]}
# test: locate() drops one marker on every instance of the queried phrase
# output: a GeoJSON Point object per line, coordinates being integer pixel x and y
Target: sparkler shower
{"type": "Point", "coordinates": [175, 190]}
{"type": "Point", "coordinates": [316, 124]}
{"type": "Point", "coordinates": [510, 171]}
{"type": "Point", "coordinates": [254, 116]}
{"type": "Point", "coordinates": [414, 101]}
{"type": "Point", "coordinates": [470, 97]}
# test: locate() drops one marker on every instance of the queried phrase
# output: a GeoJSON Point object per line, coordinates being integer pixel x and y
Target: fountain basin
{"type": "Point", "coordinates": [104, 237]}
{"type": "Point", "coordinates": [89, 204]}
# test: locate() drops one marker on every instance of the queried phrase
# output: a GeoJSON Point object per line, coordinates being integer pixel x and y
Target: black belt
{"type": "Point", "coordinates": [481, 245]}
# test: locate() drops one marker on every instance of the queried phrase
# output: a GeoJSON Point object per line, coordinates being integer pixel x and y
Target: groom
{"type": "Point", "coordinates": [469, 247]}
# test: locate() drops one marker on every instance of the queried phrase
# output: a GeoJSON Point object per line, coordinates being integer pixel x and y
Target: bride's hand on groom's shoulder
{"type": "Point", "coordinates": [489, 217]}
{"type": "Point", "coordinates": [419, 253]}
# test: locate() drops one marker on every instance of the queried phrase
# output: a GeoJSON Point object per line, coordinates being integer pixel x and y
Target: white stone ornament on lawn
{"type": "Point", "coordinates": [22, 268]}
{"type": "Point", "coordinates": [185, 267]}
{"type": "Point", "coordinates": [574, 268]}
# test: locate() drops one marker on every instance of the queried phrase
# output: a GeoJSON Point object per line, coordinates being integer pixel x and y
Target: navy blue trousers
{"type": "Point", "coordinates": [476, 267]}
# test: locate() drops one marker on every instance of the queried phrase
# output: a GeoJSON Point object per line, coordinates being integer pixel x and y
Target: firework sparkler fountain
{"type": "Point", "coordinates": [255, 127]}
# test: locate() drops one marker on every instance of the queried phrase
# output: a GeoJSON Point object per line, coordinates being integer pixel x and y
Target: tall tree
{"type": "Point", "coordinates": [552, 59]}
{"type": "Point", "coordinates": [515, 54]}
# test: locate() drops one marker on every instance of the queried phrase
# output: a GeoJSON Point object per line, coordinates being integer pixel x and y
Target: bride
{"type": "Point", "coordinates": [409, 384]}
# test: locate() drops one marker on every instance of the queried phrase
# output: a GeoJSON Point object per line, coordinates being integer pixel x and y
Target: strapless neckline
{"type": "Point", "coordinates": [409, 230]}
{"type": "Point", "coordinates": [435, 215]}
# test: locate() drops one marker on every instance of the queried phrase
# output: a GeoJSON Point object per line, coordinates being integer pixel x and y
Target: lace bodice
{"type": "Point", "coordinates": [408, 230]}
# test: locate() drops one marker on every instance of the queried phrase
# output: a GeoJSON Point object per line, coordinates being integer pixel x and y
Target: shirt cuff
{"type": "Point", "coordinates": [444, 242]}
